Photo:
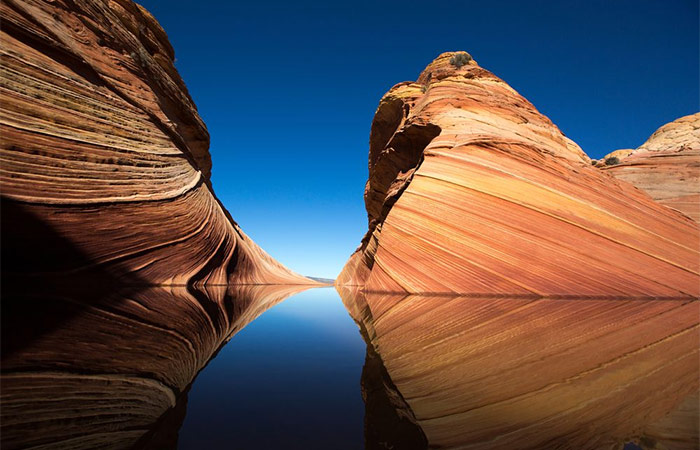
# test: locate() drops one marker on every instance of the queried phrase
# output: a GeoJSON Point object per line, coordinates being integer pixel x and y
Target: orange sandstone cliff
{"type": "Point", "coordinates": [666, 166]}
{"type": "Point", "coordinates": [104, 160]}
{"type": "Point", "coordinates": [471, 190]}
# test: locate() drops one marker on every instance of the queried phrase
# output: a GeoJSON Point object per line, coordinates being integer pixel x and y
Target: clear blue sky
{"type": "Point", "coordinates": [288, 91]}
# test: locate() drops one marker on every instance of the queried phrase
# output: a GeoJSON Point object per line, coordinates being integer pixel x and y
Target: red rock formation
{"type": "Point", "coordinates": [472, 190]}
{"type": "Point", "coordinates": [517, 373]}
{"type": "Point", "coordinates": [666, 166]}
{"type": "Point", "coordinates": [103, 152]}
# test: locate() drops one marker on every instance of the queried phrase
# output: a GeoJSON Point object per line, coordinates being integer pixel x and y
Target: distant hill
{"type": "Point", "coordinates": [323, 280]}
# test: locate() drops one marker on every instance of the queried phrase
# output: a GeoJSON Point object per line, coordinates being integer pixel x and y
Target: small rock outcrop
{"type": "Point", "coordinates": [666, 166]}
{"type": "Point", "coordinates": [471, 190]}
{"type": "Point", "coordinates": [104, 161]}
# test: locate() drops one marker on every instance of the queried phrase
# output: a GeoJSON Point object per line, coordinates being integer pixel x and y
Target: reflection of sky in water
{"type": "Point", "coordinates": [290, 379]}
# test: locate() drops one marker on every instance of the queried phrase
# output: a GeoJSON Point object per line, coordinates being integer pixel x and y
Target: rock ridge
{"type": "Point", "coordinates": [666, 166]}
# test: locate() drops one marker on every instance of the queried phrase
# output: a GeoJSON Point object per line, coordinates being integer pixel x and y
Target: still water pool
{"type": "Point", "coordinates": [281, 367]}
{"type": "Point", "coordinates": [289, 379]}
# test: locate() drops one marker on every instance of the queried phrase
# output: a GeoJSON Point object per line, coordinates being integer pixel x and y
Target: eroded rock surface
{"type": "Point", "coordinates": [472, 190]}
{"type": "Point", "coordinates": [104, 160]}
{"type": "Point", "coordinates": [666, 166]}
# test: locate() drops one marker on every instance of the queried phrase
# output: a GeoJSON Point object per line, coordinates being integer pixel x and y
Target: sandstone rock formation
{"type": "Point", "coordinates": [518, 373]}
{"type": "Point", "coordinates": [666, 166]}
{"type": "Point", "coordinates": [87, 369]}
{"type": "Point", "coordinates": [472, 190]}
{"type": "Point", "coordinates": [104, 163]}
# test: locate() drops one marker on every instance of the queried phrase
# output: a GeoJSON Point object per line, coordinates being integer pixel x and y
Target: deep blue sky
{"type": "Point", "coordinates": [288, 91]}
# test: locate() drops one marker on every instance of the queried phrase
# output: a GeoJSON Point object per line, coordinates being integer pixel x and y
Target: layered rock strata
{"type": "Point", "coordinates": [666, 166]}
{"type": "Point", "coordinates": [102, 152]}
{"type": "Point", "coordinates": [472, 190]}
{"type": "Point", "coordinates": [517, 373]}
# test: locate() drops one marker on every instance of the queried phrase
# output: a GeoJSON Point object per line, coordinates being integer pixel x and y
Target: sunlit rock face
{"type": "Point", "coordinates": [517, 373]}
{"type": "Point", "coordinates": [83, 368]}
{"type": "Point", "coordinates": [472, 190]}
{"type": "Point", "coordinates": [666, 166]}
{"type": "Point", "coordinates": [102, 151]}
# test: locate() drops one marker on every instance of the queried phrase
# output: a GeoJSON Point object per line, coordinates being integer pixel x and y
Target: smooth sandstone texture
{"type": "Point", "coordinates": [667, 165]}
{"type": "Point", "coordinates": [517, 373]}
{"type": "Point", "coordinates": [104, 160]}
{"type": "Point", "coordinates": [471, 190]}
{"type": "Point", "coordinates": [84, 369]}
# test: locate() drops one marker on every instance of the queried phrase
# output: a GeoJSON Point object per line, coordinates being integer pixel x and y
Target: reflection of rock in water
{"type": "Point", "coordinates": [678, 430]}
{"type": "Point", "coordinates": [110, 370]}
{"type": "Point", "coordinates": [389, 421]}
{"type": "Point", "coordinates": [483, 373]}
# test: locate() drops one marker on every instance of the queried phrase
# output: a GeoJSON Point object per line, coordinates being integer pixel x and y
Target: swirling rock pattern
{"type": "Point", "coordinates": [472, 190]}
{"type": "Point", "coordinates": [101, 146]}
{"type": "Point", "coordinates": [486, 373]}
{"type": "Point", "coordinates": [667, 165]}
{"type": "Point", "coordinates": [84, 369]}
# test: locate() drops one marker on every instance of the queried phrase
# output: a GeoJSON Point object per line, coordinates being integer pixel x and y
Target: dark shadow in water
{"type": "Point", "coordinates": [389, 420]}
{"type": "Point", "coordinates": [491, 373]}
{"type": "Point", "coordinates": [164, 432]}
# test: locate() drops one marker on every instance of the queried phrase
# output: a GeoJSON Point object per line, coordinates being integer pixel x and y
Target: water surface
{"type": "Point", "coordinates": [290, 379]}
{"type": "Point", "coordinates": [285, 367]}
{"type": "Point", "coordinates": [110, 368]}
